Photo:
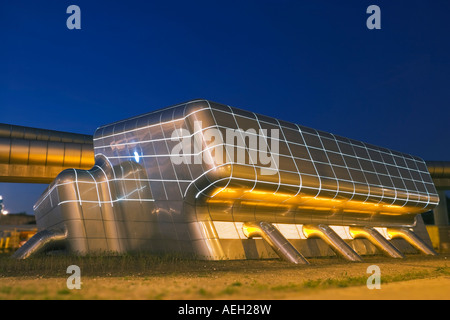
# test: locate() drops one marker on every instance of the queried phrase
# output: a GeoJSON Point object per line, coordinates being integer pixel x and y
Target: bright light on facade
{"type": "Point", "coordinates": [136, 157]}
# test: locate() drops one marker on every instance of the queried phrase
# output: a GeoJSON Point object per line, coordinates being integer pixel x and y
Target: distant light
{"type": "Point", "coordinates": [136, 156]}
{"type": "Point", "coordinates": [4, 212]}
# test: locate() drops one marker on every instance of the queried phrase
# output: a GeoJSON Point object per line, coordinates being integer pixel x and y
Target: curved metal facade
{"type": "Point", "coordinates": [188, 177]}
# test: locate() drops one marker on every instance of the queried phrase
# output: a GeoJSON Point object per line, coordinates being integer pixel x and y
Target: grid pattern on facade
{"type": "Point", "coordinates": [308, 161]}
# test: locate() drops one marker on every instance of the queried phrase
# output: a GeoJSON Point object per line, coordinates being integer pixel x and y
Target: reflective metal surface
{"type": "Point", "coordinates": [412, 239]}
{"type": "Point", "coordinates": [181, 178]}
{"type": "Point", "coordinates": [329, 236]}
{"type": "Point", "coordinates": [37, 156]}
{"type": "Point", "coordinates": [43, 240]}
{"type": "Point", "coordinates": [275, 239]}
{"type": "Point", "coordinates": [440, 173]}
{"type": "Point", "coordinates": [377, 239]}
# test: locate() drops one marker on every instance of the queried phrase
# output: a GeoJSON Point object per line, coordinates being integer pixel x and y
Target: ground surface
{"type": "Point", "coordinates": [169, 278]}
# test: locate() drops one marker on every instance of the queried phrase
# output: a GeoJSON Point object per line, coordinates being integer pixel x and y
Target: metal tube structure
{"type": "Point", "coordinates": [27, 133]}
{"type": "Point", "coordinates": [275, 239]}
{"type": "Point", "coordinates": [440, 173]}
{"type": "Point", "coordinates": [41, 241]}
{"type": "Point", "coordinates": [440, 213]}
{"type": "Point", "coordinates": [377, 239]}
{"type": "Point", "coordinates": [412, 239]}
{"type": "Point", "coordinates": [30, 155]}
{"type": "Point", "coordinates": [332, 239]}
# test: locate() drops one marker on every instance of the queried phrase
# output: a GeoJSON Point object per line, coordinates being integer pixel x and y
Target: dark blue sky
{"type": "Point", "coordinates": [311, 62]}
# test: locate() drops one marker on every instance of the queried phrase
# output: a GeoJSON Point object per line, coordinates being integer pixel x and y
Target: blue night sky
{"type": "Point", "coordinates": [310, 62]}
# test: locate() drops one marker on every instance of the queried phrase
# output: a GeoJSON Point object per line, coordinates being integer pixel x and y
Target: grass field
{"type": "Point", "coordinates": [176, 278]}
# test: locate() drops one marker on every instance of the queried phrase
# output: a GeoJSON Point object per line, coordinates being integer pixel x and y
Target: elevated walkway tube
{"type": "Point", "coordinates": [332, 239]}
{"type": "Point", "coordinates": [440, 173]}
{"type": "Point", "coordinates": [30, 155]}
{"type": "Point", "coordinates": [275, 239]}
{"type": "Point", "coordinates": [376, 239]}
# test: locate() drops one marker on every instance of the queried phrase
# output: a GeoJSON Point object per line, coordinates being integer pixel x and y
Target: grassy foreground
{"type": "Point", "coordinates": [176, 278]}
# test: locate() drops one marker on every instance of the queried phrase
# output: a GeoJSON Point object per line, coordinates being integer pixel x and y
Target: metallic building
{"type": "Point", "coordinates": [218, 182]}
